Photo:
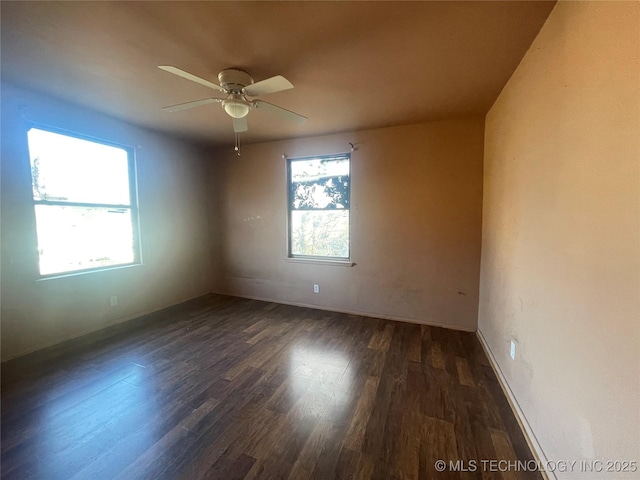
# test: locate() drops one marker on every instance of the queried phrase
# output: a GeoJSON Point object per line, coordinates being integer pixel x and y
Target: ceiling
{"type": "Point", "coordinates": [355, 65]}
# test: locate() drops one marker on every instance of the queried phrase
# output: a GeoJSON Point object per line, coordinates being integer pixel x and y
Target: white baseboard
{"type": "Point", "coordinates": [350, 312]}
{"type": "Point", "coordinates": [529, 436]}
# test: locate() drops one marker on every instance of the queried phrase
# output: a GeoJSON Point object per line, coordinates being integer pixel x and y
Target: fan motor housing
{"type": "Point", "coordinates": [234, 80]}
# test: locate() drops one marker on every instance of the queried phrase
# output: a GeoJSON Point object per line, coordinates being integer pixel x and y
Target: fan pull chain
{"type": "Point", "coordinates": [237, 148]}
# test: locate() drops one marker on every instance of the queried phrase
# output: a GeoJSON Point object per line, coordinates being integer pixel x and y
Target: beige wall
{"type": "Point", "coordinates": [415, 224]}
{"type": "Point", "coordinates": [561, 233]}
{"type": "Point", "coordinates": [172, 192]}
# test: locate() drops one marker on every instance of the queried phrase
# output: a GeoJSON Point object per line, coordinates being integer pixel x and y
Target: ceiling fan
{"type": "Point", "coordinates": [238, 86]}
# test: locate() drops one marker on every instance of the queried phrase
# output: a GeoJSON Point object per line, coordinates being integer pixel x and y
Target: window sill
{"type": "Point", "coordinates": [320, 261]}
{"type": "Point", "coordinates": [57, 276]}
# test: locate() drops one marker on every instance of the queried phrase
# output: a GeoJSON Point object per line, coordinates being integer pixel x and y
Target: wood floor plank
{"type": "Point", "coordinates": [141, 464]}
{"type": "Point", "coordinates": [355, 435]}
{"type": "Point", "coordinates": [381, 339]}
{"type": "Point", "coordinates": [406, 455]}
{"type": "Point", "coordinates": [438, 442]}
{"type": "Point", "coordinates": [464, 374]}
{"type": "Point", "coordinates": [226, 388]}
{"type": "Point", "coordinates": [415, 346]}
{"type": "Point", "coordinates": [437, 357]}
{"type": "Point", "coordinates": [312, 450]}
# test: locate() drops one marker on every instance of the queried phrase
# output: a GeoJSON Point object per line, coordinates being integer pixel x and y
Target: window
{"type": "Point", "coordinates": [85, 202]}
{"type": "Point", "coordinates": [319, 194]}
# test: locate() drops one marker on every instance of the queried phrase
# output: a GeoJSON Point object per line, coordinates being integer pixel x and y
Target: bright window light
{"type": "Point", "coordinates": [84, 197]}
{"type": "Point", "coordinates": [319, 198]}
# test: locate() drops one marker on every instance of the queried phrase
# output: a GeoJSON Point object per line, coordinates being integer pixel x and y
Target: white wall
{"type": "Point", "coordinates": [561, 234]}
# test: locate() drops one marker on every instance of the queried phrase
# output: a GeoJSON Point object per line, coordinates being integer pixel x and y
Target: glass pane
{"type": "Point", "coordinates": [65, 168]}
{"type": "Point", "coordinates": [320, 233]}
{"type": "Point", "coordinates": [76, 238]}
{"type": "Point", "coordinates": [319, 184]}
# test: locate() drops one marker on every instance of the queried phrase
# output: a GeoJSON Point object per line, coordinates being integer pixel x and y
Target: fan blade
{"type": "Point", "coordinates": [240, 125]}
{"type": "Point", "coordinates": [185, 106]}
{"type": "Point", "coordinates": [189, 76]}
{"type": "Point", "coordinates": [270, 85]}
{"type": "Point", "coordinates": [283, 112]}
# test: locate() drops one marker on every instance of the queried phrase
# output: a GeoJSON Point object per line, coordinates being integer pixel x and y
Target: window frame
{"type": "Point", "coordinates": [132, 206]}
{"type": "Point", "coordinates": [316, 258]}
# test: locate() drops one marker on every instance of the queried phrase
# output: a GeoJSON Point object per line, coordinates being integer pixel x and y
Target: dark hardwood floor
{"type": "Point", "coordinates": [230, 388]}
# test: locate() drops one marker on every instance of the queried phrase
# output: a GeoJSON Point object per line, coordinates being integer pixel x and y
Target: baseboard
{"type": "Point", "coordinates": [349, 312]}
{"type": "Point", "coordinates": [528, 433]}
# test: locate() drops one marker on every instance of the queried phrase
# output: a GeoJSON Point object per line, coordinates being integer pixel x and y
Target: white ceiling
{"type": "Point", "coordinates": [354, 65]}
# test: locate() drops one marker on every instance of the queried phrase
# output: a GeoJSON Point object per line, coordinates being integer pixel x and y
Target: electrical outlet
{"type": "Point", "coordinates": [316, 288]}
{"type": "Point", "coordinates": [512, 350]}
{"type": "Point", "coordinates": [113, 301]}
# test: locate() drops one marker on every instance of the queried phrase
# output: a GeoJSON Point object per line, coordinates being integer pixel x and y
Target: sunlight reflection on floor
{"type": "Point", "coordinates": [321, 381]}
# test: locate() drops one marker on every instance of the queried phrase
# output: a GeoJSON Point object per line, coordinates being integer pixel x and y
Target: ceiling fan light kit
{"type": "Point", "coordinates": [236, 107]}
{"type": "Point", "coordinates": [238, 85]}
